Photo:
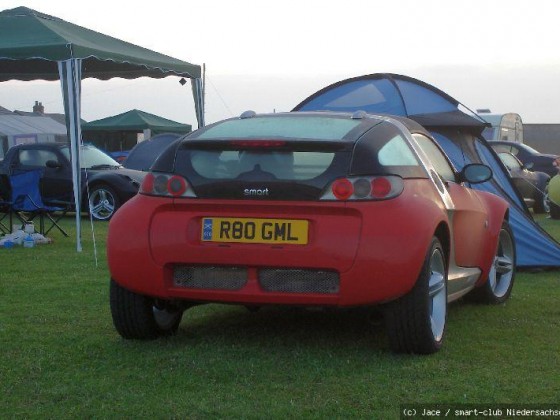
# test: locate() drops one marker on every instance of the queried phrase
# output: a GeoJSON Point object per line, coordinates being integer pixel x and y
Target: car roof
{"type": "Point", "coordinates": [367, 120]}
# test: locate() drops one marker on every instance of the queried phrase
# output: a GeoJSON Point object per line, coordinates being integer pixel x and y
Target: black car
{"type": "Point", "coordinates": [527, 155]}
{"type": "Point", "coordinates": [144, 154]}
{"type": "Point", "coordinates": [104, 180]}
{"type": "Point", "coordinates": [530, 184]}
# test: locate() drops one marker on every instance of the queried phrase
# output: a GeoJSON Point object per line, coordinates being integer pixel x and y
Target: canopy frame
{"type": "Point", "coordinates": [36, 46]}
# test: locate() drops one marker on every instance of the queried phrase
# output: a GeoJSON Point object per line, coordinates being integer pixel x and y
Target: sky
{"type": "Point", "coordinates": [268, 56]}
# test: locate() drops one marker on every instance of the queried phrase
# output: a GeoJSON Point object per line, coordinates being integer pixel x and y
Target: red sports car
{"type": "Point", "coordinates": [310, 209]}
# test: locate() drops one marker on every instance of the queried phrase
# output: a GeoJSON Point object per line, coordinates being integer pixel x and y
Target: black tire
{"type": "Point", "coordinates": [498, 286]}
{"type": "Point", "coordinates": [554, 211]}
{"type": "Point", "coordinates": [140, 317]}
{"type": "Point", "coordinates": [103, 202]}
{"type": "Point", "coordinates": [540, 206]}
{"type": "Point", "coordinates": [416, 322]}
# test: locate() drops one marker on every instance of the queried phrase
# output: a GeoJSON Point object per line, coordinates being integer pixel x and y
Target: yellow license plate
{"type": "Point", "coordinates": [258, 231]}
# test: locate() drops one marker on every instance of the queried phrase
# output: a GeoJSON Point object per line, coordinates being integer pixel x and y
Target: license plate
{"type": "Point", "coordinates": [258, 231]}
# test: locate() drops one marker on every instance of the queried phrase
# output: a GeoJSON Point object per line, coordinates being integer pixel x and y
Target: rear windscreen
{"type": "Point", "coordinates": [244, 164]}
{"type": "Point", "coordinates": [288, 173]}
{"type": "Point", "coordinates": [290, 157]}
{"type": "Point", "coordinates": [320, 128]}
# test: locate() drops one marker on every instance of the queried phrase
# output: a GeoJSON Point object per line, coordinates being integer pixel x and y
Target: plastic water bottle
{"type": "Point", "coordinates": [28, 241]}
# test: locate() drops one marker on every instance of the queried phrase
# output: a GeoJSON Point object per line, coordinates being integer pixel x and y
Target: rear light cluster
{"type": "Point", "coordinates": [166, 185]}
{"type": "Point", "coordinates": [364, 188]}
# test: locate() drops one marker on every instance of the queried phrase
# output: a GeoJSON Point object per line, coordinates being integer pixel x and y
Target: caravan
{"type": "Point", "coordinates": [505, 127]}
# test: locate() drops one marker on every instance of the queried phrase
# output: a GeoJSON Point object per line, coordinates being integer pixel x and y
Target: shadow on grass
{"type": "Point", "coordinates": [278, 330]}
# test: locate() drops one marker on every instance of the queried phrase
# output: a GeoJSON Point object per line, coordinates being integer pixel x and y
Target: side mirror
{"type": "Point", "coordinates": [475, 173]}
{"type": "Point", "coordinates": [53, 164]}
{"type": "Point", "coordinates": [529, 166]}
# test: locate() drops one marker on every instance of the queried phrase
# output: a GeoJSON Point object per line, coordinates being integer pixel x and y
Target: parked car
{"type": "Point", "coordinates": [309, 209]}
{"type": "Point", "coordinates": [120, 155]}
{"type": "Point", "coordinates": [527, 155]}
{"type": "Point", "coordinates": [530, 184]}
{"type": "Point", "coordinates": [109, 184]}
{"type": "Point", "coordinates": [142, 156]}
{"type": "Point", "coordinates": [554, 194]}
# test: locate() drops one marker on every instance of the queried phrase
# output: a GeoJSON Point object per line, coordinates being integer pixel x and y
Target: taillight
{"type": "Point", "coordinates": [166, 185]}
{"type": "Point", "coordinates": [381, 187]}
{"type": "Point", "coordinates": [364, 188]}
{"type": "Point", "coordinates": [342, 189]}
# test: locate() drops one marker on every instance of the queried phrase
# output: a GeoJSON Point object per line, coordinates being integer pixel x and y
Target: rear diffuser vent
{"type": "Point", "coordinates": [299, 281]}
{"type": "Point", "coordinates": [219, 278]}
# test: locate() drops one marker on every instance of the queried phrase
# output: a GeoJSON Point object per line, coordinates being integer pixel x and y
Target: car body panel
{"type": "Point", "coordinates": [335, 232]}
{"type": "Point", "coordinates": [376, 247]}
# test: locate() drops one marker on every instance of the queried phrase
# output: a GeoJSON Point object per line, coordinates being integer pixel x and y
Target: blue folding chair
{"type": "Point", "coordinates": [27, 202]}
{"type": "Point", "coordinates": [5, 204]}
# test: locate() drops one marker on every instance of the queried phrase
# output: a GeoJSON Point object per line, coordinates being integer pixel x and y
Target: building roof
{"type": "Point", "coordinates": [12, 124]}
{"type": "Point", "coordinates": [59, 118]}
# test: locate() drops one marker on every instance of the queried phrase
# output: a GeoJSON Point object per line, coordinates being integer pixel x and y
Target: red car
{"type": "Point", "coordinates": [310, 209]}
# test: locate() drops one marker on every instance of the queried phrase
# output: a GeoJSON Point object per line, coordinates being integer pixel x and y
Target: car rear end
{"type": "Point", "coordinates": [300, 210]}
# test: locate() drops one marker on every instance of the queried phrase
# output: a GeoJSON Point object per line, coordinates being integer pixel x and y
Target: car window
{"type": "Point", "coordinates": [436, 156]}
{"type": "Point", "coordinates": [514, 151]}
{"type": "Point", "coordinates": [509, 161]}
{"type": "Point", "coordinates": [385, 150]}
{"type": "Point", "coordinates": [396, 152]}
{"type": "Point", "coordinates": [230, 164]}
{"type": "Point", "coordinates": [501, 148]}
{"type": "Point", "coordinates": [92, 157]}
{"type": "Point", "coordinates": [286, 127]}
{"type": "Point", "coordinates": [35, 157]}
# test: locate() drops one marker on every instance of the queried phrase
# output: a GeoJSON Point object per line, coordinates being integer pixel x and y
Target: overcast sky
{"type": "Point", "coordinates": [269, 55]}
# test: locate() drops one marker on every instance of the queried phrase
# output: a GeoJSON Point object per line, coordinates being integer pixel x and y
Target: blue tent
{"type": "Point", "coordinates": [457, 132]}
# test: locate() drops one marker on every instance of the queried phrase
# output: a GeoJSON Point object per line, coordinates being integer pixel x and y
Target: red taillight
{"type": "Point", "coordinates": [176, 186]}
{"type": "Point", "coordinates": [380, 187]}
{"type": "Point", "coordinates": [342, 189]}
{"type": "Point", "coordinates": [166, 185]}
{"type": "Point", "coordinates": [147, 184]}
{"type": "Point", "coordinates": [365, 188]}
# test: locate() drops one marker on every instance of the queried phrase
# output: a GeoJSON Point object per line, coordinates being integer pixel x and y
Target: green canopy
{"type": "Point", "coordinates": [34, 45]}
{"type": "Point", "coordinates": [32, 42]}
{"type": "Point", "coordinates": [136, 120]}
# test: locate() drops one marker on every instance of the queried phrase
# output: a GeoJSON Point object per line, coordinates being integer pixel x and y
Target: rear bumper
{"type": "Point", "coordinates": [373, 259]}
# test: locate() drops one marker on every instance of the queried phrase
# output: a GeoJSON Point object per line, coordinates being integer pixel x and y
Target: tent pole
{"type": "Point", "coordinates": [70, 72]}
{"type": "Point", "coordinates": [204, 92]}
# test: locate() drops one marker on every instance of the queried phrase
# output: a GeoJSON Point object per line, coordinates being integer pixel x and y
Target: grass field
{"type": "Point", "coordinates": [61, 357]}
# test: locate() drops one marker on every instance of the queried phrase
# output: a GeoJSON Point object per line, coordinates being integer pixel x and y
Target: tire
{"type": "Point", "coordinates": [416, 322]}
{"type": "Point", "coordinates": [498, 286]}
{"type": "Point", "coordinates": [103, 202]}
{"type": "Point", "coordinates": [554, 211]}
{"type": "Point", "coordinates": [541, 203]}
{"type": "Point", "coordinates": [140, 317]}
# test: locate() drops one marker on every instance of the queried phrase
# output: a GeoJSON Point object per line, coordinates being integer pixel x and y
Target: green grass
{"type": "Point", "coordinates": [61, 356]}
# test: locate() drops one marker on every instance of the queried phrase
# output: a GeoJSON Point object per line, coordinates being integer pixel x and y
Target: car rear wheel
{"type": "Point", "coordinates": [497, 288]}
{"type": "Point", "coordinates": [541, 203]}
{"type": "Point", "coordinates": [140, 317]}
{"type": "Point", "coordinates": [416, 322]}
{"type": "Point", "coordinates": [554, 211]}
{"type": "Point", "coordinates": [103, 202]}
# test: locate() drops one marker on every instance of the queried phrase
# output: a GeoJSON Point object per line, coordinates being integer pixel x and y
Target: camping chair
{"type": "Point", "coordinates": [27, 202]}
{"type": "Point", "coordinates": [5, 204]}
